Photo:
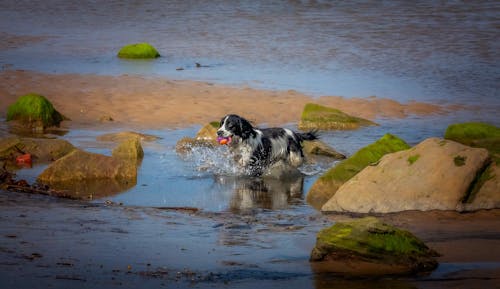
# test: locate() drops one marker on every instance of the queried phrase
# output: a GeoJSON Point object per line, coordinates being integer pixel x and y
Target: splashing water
{"type": "Point", "coordinates": [215, 161]}
{"type": "Point", "coordinates": [219, 161]}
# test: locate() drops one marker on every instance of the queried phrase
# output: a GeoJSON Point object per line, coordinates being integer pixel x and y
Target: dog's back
{"type": "Point", "coordinates": [286, 145]}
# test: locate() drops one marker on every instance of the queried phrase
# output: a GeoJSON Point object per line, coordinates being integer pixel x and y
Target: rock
{"type": "Point", "coordinates": [434, 175]}
{"type": "Point", "coordinates": [129, 149]}
{"type": "Point", "coordinates": [317, 147]}
{"type": "Point", "coordinates": [208, 132]}
{"type": "Point", "coordinates": [122, 136]}
{"type": "Point", "coordinates": [43, 150]}
{"type": "Point", "coordinates": [366, 241]}
{"type": "Point", "coordinates": [205, 137]}
{"type": "Point", "coordinates": [315, 116]}
{"type": "Point", "coordinates": [476, 134]}
{"type": "Point", "coordinates": [326, 185]}
{"type": "Point", "coordinates": [80, 165]}
{"type": "Point", "coordinates": [486, 192]}
{"type": "Point", "coordinates": [35, 112]}
{"type": "Point", "coordinates": [138, 51]}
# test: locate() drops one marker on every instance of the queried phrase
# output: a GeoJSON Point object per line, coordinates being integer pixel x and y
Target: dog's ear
{"type": "Point", "coordinates": [246, 128]}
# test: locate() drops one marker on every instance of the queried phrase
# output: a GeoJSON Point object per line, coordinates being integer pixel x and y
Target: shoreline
{"type": "Point", "coordinates": [153, 102]}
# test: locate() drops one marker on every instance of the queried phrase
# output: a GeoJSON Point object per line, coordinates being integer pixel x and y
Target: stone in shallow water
{"type": "Point", "coordinates": [367, 246]}
{"type": "Point", "coordinates": [315, 116]}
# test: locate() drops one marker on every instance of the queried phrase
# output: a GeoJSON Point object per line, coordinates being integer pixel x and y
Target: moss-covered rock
{"type": "Point", "coordinates": [34, 111]}
{"type": "Point", "coordinates": [326, 185]}
{"type": "Point", "coordinates": [138, 51]}
{"type": "Point", "coordinates": [476, 134]}
{"type": "Point", "coordinates": [315, 116]}
{"type": "Point", "coordinates": [370, 240]}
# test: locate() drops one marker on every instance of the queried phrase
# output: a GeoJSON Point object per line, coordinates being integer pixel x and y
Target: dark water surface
{"type": "Point", "coordinates": [446, 52]}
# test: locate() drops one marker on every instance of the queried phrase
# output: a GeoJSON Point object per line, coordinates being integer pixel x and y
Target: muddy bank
{"type": "Point", "coordinates": [58, 243]}
{"type": "Point", "coordinates": [147, 102]}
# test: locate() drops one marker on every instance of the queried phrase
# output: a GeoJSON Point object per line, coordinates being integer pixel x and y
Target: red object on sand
{"type": "Point", "coordinates": [24, 159]}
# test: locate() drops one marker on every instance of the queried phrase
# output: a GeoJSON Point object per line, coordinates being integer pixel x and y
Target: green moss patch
{"type": "Point", "coordinates": [364, 157]}
{"type": "Point", "coordinates": [215, 124]}
{"type": "Point", "coordinates": [34, 110]}
{"type": "Point", "coordinates": [459, 160]}
{"type": "Point", "coordinates": [413, 158]}
{"type": "Point", "coordinates": [476, 134]}
{"type": "Point", "coordinates": [138, 51]}
{"type": "Point", "coordinates": [315, 116]}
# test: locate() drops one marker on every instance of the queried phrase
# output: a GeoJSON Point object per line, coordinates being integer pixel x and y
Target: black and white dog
{"type": "Point", "coordinates": [256, 150]}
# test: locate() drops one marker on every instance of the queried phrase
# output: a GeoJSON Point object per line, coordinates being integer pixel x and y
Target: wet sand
{"type": "Point", "coordinates": [61, 244]}
{"type": "Point", "coordinates": [147, 102]}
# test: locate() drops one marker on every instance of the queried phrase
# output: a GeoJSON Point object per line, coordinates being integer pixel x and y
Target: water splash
{"type": "Point", "coordinates": [214, 161]}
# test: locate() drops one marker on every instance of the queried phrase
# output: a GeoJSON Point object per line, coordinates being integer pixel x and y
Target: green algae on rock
{"type": "Point", "coordinates": [35, 111]}
{"type": "Point", "coordinates": [326, 185]}
{"type": "Point", "coordinates": [369, 240]}
{"type": "Point", "coordinates": [315, 116]}
{"type": "Point", "coordinates": [476, 134]}
{"type": "Point", "coordinates": [138, 51]}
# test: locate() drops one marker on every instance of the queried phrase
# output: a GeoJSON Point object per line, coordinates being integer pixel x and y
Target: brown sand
{"type": "Point", "coordinates": [136, 101]}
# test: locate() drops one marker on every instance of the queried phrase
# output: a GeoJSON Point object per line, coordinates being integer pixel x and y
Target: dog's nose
{"type": "Point", "coordinates": [220, 133]}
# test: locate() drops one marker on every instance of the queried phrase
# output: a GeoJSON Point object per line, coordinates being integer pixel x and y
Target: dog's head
{"type": "Point", "coordinates": [233, 125]}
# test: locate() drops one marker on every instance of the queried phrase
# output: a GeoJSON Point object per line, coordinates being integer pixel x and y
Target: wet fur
{"type": "Point", "coordinates": [258, 149]}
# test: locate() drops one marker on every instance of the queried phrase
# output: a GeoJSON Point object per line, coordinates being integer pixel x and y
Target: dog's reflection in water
{"type": "Point", "coordinates": [263, 193]}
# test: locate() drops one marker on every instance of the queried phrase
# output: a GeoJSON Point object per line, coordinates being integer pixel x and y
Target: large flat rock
{"type": "Point", "coordinates": [434, 175]}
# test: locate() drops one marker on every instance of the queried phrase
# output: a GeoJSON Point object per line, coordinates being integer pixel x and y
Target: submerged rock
{"type": "Point", "coordinates": [81, 165]}
{"type": "Point", "coordinates": [124, 135]}
{"type": "Point", "coordinates": [317, 147]}
{"type": "Point", "coordinates": [476, 134]}
{"type": "Point", "coordinates": [35, 112]}
{"type": "Point", "coordinates": [138, 51]}
{"type": "Point", "coordinates": [434, 175]}
{"type": "Point", "coordinates": [326, 185]}
{"type": "Point", "coordinates": [366, 241]}
{"type": "Point", "coordinates": [42, 150]}
{"type": "Point", "coordinates": [90, 175]}
{"type": "Point", "coordinates": [315, 116]}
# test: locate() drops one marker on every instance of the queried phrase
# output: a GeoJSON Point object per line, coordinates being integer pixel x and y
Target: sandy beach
{"type": "Point", "coordinates": [148, 102]}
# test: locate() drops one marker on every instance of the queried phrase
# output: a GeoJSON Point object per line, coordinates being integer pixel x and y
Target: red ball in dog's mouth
{"type": "Point", "coordinates": [224, 140]}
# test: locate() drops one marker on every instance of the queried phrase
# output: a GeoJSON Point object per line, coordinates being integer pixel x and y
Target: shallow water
{"type": "Point", "coordinates": [206, 179]}
{"type": "Point", "coordinates": [446, 52]}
